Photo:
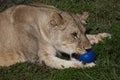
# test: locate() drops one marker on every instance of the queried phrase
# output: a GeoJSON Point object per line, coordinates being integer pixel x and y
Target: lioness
{"type": "Point", "coordinates": [35, 33]}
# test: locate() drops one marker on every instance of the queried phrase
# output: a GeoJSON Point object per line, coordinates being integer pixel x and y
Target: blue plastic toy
{"type": "Point", "coordinates": [87, 57]}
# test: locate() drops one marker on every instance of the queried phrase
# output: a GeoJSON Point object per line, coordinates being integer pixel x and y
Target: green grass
{"type": "Point", "coordinates": [104, 17]}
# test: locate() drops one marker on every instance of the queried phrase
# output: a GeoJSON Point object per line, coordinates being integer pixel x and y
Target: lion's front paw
{"type": "Point", "coordinates": [104, 35]}
{"type": "Point", "coordinates": [98, 37]}
{"type": "Point", "coordinates": [81, 65]}
{"type": "Point", "coordinates": [78, 64]}
{"type": "Point", "coordinates": [90, 65]}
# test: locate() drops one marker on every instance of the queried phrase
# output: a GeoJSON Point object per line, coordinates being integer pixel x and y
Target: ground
{"type": "Point", "coordinates": [104, 17]}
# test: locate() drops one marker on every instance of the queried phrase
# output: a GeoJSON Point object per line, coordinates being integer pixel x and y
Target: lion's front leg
{"type": "Point", "coordinates": [55, 62]}
{"type": "Point", "coordinates": [98, 37]}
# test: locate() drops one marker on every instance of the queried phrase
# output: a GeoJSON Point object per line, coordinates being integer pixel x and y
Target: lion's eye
{"type": "Point", "coordinates": [75, 35]}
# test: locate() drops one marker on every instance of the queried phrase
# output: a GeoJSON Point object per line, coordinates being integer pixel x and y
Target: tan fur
{"type": "Point", "coordinates": [35, 33]}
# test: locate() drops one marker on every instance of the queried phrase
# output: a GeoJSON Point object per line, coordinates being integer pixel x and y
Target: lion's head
{"type": "Point", "coordinates": [68, 32]}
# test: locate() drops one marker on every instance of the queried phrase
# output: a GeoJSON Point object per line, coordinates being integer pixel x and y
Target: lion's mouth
{"type": "Point", "coordinates": [68, 56]}
{"type": "Point", "coordinates": [74, 55]}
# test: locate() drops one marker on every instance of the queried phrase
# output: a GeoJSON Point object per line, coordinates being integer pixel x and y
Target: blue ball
{"type": "Point", "coordinates": [87, 57]}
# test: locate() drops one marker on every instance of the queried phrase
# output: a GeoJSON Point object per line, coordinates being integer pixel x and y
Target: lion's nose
{"type": "Point", "coordinates": [88, 47]}
{"type": "Point", "coordinates": [81, 50]}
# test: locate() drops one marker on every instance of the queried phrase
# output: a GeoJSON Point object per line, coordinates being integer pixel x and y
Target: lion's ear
{"type": "Point", "coordinates": [56, 19]}
{"type": "Point", "coordinates": [83, 17]}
